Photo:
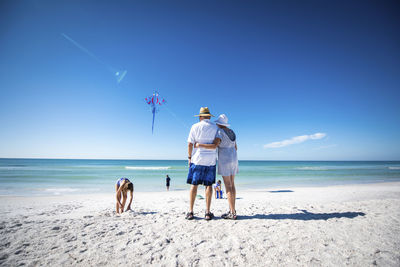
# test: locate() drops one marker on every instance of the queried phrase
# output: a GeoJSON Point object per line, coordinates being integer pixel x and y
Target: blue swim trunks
{"type": "Point", "coordinates": [199, 174]}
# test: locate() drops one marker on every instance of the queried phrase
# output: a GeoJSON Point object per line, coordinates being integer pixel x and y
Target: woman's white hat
{"type": "Point", "coordinates": [222, 120]}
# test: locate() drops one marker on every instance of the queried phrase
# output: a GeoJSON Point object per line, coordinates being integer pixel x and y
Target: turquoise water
{"type": "Point", "coordinates": [60, 176]}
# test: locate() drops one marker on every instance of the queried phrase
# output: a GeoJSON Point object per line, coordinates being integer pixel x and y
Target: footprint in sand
{"type": "Point", "coordinates": [6, 245]}
{"type": "Point", "coordinates": [16, 225]}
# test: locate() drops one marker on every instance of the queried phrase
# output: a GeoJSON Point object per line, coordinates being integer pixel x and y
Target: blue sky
{"type": "Point", "coordinates": [320, 77]}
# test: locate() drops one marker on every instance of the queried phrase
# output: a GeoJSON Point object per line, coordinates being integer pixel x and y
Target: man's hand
{"type": "Point", "coordinates": [196, 145]}
{"type": "Point", "coordinates": [190, 150]}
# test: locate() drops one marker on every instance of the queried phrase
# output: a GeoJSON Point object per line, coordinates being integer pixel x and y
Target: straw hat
{"type": "Point", "coordinates": [204, 112]}
{"type": "Point", "coordinates": [222, 120]}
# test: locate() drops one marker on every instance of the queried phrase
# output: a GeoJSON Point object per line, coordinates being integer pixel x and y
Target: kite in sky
{"type": "Point", "coordinates": [155, 101]}
{"type": "Point", "coordinates": [118, 74]}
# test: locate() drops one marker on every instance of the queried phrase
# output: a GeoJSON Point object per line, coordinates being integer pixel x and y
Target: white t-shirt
{"type": "Point", "coordinates": [203, 132]}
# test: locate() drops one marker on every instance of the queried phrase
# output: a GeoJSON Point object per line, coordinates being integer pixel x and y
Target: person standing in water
{"type": "Point", "coordinates": [168, 180]}
{"type": "Point", "coordinates": [122, 187]}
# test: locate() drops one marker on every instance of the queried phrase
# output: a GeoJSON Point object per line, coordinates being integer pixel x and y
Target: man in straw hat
{"type": "Point", "coordinates": [202, 161]}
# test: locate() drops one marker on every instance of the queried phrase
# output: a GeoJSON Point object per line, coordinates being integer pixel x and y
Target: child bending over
{"type": "Point", "coordinates": [122, 187]}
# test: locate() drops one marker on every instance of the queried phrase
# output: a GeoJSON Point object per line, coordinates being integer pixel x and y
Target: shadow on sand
{"type": "Point", "coordinates": [281, 191]}
{"type": "Point", "coordinates": [304, 216]}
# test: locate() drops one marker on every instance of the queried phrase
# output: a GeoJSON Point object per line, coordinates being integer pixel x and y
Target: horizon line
{"type": "Point", "coordinates": [44, 158]}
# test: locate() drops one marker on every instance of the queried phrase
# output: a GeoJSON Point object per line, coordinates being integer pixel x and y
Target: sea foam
{"type": "Point", "coordinates": [147, 168]}
{"type": "Point", "coordinates": [59, 191]}
{"type": "Point", "coordinates": [312, 168]}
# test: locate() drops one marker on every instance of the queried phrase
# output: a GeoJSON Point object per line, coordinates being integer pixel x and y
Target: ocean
{"type": "Point", "coordinates": [27, 177]}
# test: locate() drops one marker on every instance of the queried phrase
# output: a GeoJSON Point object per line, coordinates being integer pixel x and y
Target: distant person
{"type": "Point", "coordinates": [168, 180]}
{"type": "Point", "coordinates": [202, 162]}
{"type": "Point", "coordinates": [228, 165]}
{"type": "Point", "coordinates": [122, 187]}
{"type": "Point", "coordinates": [218, 190]}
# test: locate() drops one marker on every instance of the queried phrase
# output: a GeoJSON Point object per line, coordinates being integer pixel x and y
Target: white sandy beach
{"type": "Point", "coordinates": [357, 225]}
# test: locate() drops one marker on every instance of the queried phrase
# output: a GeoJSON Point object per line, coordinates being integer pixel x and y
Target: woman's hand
{"type": "Point", "coordinates": [196, 145]}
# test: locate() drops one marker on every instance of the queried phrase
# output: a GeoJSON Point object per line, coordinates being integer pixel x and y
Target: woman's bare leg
{"type": "Point", "coordinates": [124, 197]}
{"type": "Point", "coordinates": [233, 188]}
{"type": "Point", "coordinates": [229, 192]}
{"type": "Point", "coordinates": [119, 197]}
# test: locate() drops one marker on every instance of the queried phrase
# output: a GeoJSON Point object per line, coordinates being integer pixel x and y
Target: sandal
{"type": "Point", "coordinates": [230, 216]}
{"type": "Point", "coordinates": [223, 216]}
{"type": "Point", "coordinates": [209, 216]}
{"type": "Point", "coordinates": [189, 216]}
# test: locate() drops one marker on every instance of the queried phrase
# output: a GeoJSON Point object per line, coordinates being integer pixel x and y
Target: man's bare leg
{"type": "Point", "coordinates": [209, 193]}
{"type": "Point", "coordinates": [193, 193]}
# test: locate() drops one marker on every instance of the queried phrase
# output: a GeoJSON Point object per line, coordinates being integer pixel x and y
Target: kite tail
{"type": "Point", "coordinates": [152, 126]}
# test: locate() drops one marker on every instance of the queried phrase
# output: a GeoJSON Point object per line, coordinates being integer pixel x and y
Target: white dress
{"type": "Point", "coordinates": [227, 155]}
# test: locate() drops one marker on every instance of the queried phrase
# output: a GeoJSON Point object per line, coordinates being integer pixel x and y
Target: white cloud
{"type": "Point", "coordinates": [295, 140]}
